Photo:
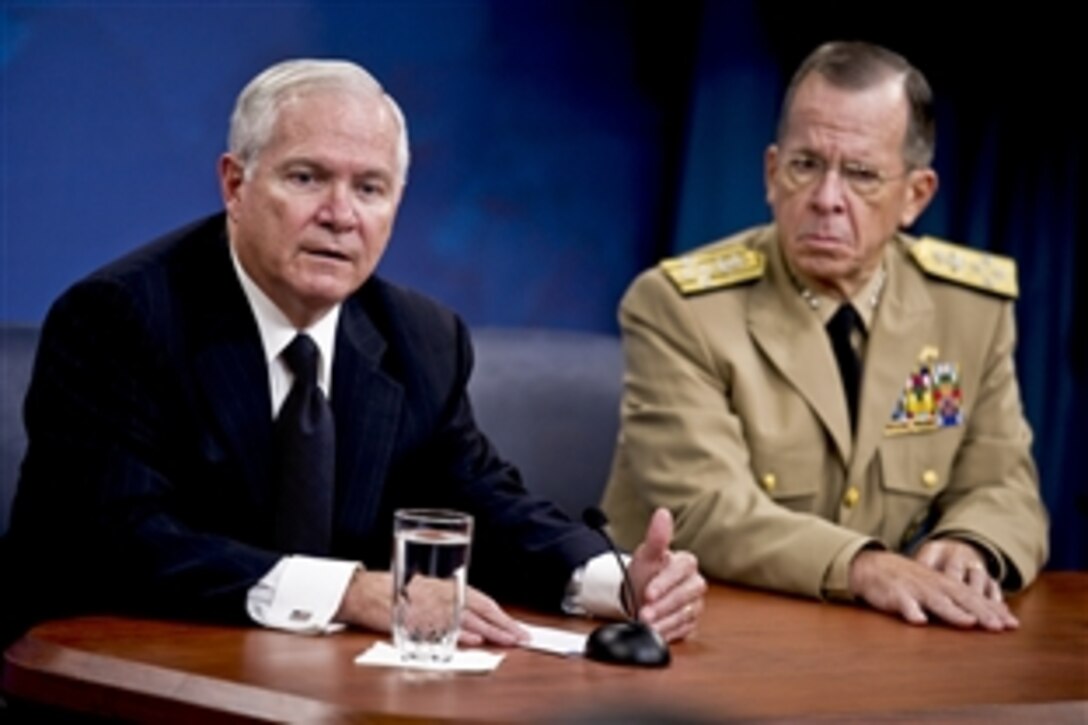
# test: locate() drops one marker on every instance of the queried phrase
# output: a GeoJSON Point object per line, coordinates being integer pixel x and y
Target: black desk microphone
{"type": "Point", "coordinates": [623, 643]}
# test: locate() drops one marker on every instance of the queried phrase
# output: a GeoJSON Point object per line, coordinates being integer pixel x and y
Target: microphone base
{"type": "Point", "coordinates": [632, 644]}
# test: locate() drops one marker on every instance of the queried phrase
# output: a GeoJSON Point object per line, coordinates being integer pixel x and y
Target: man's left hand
{"type": "Point", "coordinates": [961, 561]}
{"type": "Point", "coordinates": [668, 586]}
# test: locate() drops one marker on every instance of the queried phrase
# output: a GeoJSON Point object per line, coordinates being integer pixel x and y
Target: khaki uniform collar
{"type": "Point", "coordinates": [865, 300]}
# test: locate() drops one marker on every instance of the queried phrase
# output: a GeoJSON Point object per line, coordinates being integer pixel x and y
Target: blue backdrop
{"type": "Point", "coordinates": [559, 148]}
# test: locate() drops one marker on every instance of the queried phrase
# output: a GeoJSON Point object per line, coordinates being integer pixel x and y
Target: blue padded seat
{"type": "Point", "coordinates": [18, 344]}
{"type": "Point", "coordinates": [549, 401]}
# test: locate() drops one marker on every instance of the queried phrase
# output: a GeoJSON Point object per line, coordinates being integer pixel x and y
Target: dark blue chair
{"type": "Point", "coordinates": [17, 346]}
{"type": "Point", "coordinates": [549, 401]}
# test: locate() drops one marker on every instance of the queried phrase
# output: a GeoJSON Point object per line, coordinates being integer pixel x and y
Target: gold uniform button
{"type": "Point", "coordinates": [930, 478]}
{"type": "Point", "coordinates": [769, 482]}
{"type": "Point", "coordinates": [851, 497]}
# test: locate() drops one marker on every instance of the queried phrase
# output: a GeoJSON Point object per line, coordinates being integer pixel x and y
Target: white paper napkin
{"type": "Point", "coordinates": [383, 654]}
{"type": "Point", "coordinates": [554, 641]}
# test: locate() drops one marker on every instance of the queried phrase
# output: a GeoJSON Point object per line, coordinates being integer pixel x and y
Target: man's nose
{"type": "Point", "coordinates": [829, 194]}
{"type": "Point", "coordinates": [337, 211]}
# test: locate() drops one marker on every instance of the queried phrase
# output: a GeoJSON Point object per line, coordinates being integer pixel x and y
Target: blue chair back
{"type": "Point", "coordinates": [17, 346]}
{"type": "Point", "coordinates": [549, 401]}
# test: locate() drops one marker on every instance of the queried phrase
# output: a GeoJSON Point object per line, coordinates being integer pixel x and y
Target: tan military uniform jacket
{"type": "Point", "coordinates": [734, 418]}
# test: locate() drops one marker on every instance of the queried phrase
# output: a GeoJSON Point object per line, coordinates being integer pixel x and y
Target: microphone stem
{"type": "Point", "coordinates": [596, 520]}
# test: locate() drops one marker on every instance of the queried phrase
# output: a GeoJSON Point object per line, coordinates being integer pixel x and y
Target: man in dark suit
{"type": "Point", "coordinates": [157, 477]}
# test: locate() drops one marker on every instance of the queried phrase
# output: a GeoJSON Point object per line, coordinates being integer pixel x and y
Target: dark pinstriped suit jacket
{"type": "Point", "coordinates": [148, 476]}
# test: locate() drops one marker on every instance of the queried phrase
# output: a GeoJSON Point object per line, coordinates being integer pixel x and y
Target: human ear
{"type": "Point", "coordinates": [231, 177]}
{"type": "Point", "coordinates": [770, 169]}
{"type": "Point", "coordinates": [921, 186]}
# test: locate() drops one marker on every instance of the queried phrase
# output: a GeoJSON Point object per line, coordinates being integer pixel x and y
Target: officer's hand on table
{"type": "Point", "coordinates": [899, 585]}
{"type": "Point", "coordinates": [368, 603]}
{"type": "Point", "coordinates": [668, 584]}
{"type": "Point", "coordinates": [961, 561]}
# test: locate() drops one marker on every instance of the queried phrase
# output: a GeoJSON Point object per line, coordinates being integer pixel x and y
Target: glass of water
{"type": "Point", "coordinates": [430, 565]}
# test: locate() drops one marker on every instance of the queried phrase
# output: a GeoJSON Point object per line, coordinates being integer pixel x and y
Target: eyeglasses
{"type": "Point", "coordinates": [803, 168]}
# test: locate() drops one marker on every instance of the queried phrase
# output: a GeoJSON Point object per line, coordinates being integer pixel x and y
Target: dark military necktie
{"type": "Point", "coordinates": [306, 445]}
{"type": "Point", "coordinates": [840, 329]}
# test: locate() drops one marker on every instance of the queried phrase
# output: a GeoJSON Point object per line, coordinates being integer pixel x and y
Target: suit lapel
{"type": "Point", "coordinates": [792, 337]}
{"type": "Point", "coordinates": [228, 359]}
{"type": "Point", "coordinates": [367, 405]}
{"type": "Point", "coordinates": [898, 334]}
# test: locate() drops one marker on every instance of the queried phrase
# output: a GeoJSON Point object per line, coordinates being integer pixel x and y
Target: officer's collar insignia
{"type": "Point", "coordinates": [713, 269]}
{"type": "Point", "coordinates": [814, 300]}
{"type": "Point", "coordinates": [932, 397]}
{"type": "Point", "coordinates": [991, 273]}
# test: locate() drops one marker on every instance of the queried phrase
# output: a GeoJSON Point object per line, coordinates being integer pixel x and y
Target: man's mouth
{"type": "Point", "coordinates": [331, 254]}
{"type": "Point", "coordinates": [822, 239]}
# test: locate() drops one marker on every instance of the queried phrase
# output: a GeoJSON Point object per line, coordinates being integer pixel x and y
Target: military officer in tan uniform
{"type": "Point", "coordinates": [877, 453]}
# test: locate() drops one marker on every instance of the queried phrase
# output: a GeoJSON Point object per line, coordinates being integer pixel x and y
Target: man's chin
{"type": "Point", "coordinates": [330, 283]}
{"type": "Point", "coordinates": [822, 260]}
{"type": "Point", "coordinates": [325, 297]}
{"type": "Point", "coordinates": [823, 270]}
{"type": "Point", "coordinates": [312, 300]}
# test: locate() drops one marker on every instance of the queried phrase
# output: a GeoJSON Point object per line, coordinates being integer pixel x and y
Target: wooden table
{"type": "Point", "coordinates": [757, 655]}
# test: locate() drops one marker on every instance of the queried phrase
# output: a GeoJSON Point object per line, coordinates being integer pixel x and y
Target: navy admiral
{"type": "Point", "coordinates": [828, 406]}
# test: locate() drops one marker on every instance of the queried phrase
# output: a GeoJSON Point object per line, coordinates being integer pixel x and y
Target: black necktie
{"type": "Point", "coordinates": [306, 445]}
{"type": "Point", "coordinates": [839, 329]}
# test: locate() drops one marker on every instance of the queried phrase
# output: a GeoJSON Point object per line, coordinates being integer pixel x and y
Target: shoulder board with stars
{"type": "Point", "coordinates": [983, 271]}
{"type": "Point", "coordinates": [713, 269]}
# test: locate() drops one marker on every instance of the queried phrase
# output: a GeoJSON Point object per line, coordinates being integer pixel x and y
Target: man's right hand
{"type": "Point", "coordinates": [368, 603]}
{"type": "Point", "coordinates": [898, 585]}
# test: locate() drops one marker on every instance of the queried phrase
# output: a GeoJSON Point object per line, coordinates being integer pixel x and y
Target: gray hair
{"type": "Point", "coordinates": [860, 66]}
{"type": "Point", "coordinates": [259, 104]}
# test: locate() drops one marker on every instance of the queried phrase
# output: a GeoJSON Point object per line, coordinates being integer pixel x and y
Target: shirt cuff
{"type": "Point", "coordinates": [836, 586]}
{"type": "Point", "coordinates": [595, 587]}
{"type": "Point", "coordinates": [301, 594]}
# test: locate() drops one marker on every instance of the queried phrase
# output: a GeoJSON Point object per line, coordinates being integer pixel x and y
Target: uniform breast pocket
{"type": "Point", "coordinates": [914, 470]}
{"type": "Point", "coordinates": [790, 475]}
